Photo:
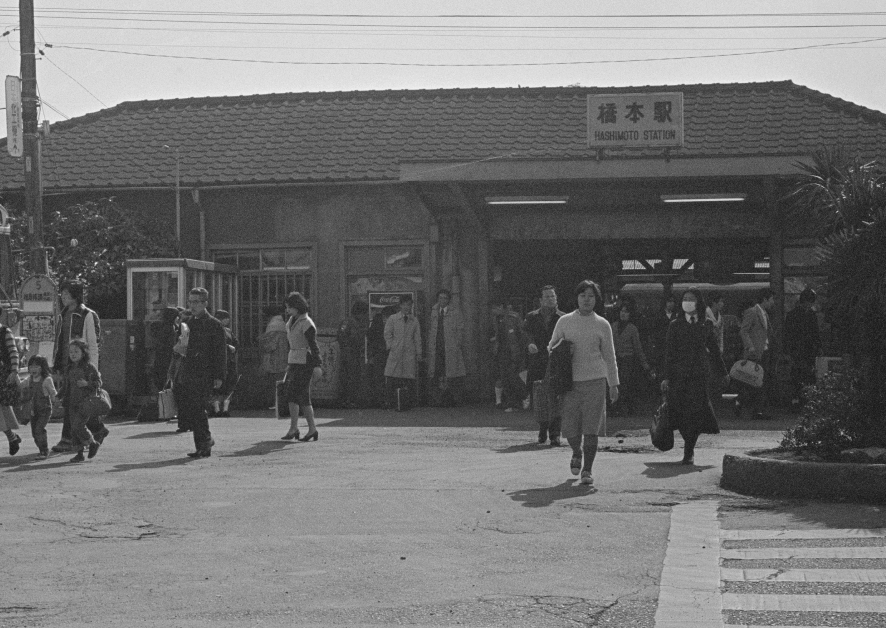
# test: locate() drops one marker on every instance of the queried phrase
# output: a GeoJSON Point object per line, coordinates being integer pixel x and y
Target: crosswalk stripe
{"type": "Point", "coordinates": [774, 553]}
{"type": "Point", "coordinates": [805, 603]}
{"type": "Point", "coordinates": [846, 533]}
{"type": "Point", "coordinates": [803, 575]}
{"type": "Point", "coordinates": [689, 592]}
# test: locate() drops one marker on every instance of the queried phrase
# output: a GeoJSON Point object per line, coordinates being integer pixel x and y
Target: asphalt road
{"type": "Point", "coordinates": [428, 518]}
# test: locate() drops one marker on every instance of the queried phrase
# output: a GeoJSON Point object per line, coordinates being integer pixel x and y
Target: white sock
{"type": "Point", "coordinates": [498, 393]}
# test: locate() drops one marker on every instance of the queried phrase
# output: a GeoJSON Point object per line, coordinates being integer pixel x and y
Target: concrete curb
{"type": "Point", "coordinates": [753, 475]}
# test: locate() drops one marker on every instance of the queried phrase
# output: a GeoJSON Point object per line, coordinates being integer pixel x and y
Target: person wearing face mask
{"type": "Point", "coordinates": [594, 369]}
{"type": "Point", "coordinates": [691, 349]}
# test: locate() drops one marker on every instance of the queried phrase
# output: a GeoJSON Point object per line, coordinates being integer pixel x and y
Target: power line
{"type": "Point", "coordinates": [449, 65]}
{"type": "Point", "coordinates": [461, 27]}
{"type": "Point", "coordinates": [465, 15]}
{"type": "Point", "coordinates": [86, 89]}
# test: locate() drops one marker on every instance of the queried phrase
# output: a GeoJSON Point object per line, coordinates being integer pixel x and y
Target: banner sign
{"type": "Point", "coordinates": [635, 120]}
{"type": "Point", "coordinates": [15, 126]}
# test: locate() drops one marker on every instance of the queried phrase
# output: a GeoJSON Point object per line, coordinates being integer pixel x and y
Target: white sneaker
{"type": "Point", "coordinates": [586, 478]}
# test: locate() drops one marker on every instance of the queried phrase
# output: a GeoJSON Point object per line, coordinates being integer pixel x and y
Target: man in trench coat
{"type": "Point", "coordinates": [446, 363]}
{"type": "Point", "coordinates": [403, 340]}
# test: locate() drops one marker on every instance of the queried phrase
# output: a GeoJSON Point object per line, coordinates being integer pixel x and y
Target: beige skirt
{"type": "Point", "coordinates": [584, 408]}
{"type": "Point", "coordinates": [7, 419]}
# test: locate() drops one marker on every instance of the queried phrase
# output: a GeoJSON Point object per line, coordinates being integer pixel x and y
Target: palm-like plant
{"type": "Point", "coordinates": [847, 197]}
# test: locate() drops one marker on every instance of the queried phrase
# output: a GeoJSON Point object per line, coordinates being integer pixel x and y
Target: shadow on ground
{"type": "Point", "coordinates": [670, 469]}
{"type": "Point", "coordinates": [261, 448]}
{"type": "Point", "coordinates": [543, 497]}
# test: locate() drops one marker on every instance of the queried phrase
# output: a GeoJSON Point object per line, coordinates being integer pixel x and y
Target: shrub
{"type": "Point", "coordinates": [833, 418]}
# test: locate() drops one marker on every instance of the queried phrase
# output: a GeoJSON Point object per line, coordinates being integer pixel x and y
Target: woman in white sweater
{"type": "Point", "coordinates": [593, 369]}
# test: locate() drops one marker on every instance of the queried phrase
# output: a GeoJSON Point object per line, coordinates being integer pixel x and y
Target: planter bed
{"type": "Point", "coordinates": [784, 474]}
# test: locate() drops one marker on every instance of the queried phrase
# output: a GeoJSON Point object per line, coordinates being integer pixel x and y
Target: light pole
{"type": "Point", "coordinates": [178, 203]}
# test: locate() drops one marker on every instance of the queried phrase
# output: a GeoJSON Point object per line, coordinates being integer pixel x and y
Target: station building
{"type": "Point", "coordinates": [491, 193]}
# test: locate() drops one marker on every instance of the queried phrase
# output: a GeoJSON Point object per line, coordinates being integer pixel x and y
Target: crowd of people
{"type": "Point", "coordinates": [568, 367]}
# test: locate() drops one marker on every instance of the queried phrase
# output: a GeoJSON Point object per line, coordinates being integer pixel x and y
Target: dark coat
{"type": "Point", "coordinates": [691, 351]}
{"type": "Point", "coordinates": [559, 373]}
{"type": "Point", "coordinates": [539, 335]}
{"type": "Point", "coordinates": [207, 355]}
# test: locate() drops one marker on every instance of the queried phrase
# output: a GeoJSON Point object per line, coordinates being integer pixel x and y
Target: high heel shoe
{"type": "Point", "coordinates": [290, 436]}
{"type": "Point", "coordinates": [310, 436]}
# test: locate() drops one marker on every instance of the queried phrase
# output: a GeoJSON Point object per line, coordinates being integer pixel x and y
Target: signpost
{"type": "Point", "coordinates": [39, 300]}
{"type": "Point", "coordinates": [635, 120]}
{"type": "Point", "coordinates": [15, 126]}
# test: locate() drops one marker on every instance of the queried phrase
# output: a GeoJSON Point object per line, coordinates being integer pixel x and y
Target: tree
{"type": "Point", "coordinates": [92, 242]}
{"type": "Point", "coordinates": [848, 199]}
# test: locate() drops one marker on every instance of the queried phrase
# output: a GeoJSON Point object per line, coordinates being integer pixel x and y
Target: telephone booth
{"type": "Point", "coordinates": [153, 285]}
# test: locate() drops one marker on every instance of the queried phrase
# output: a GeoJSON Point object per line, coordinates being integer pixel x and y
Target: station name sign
{"type": "Point", "coordinates": [635, 120]}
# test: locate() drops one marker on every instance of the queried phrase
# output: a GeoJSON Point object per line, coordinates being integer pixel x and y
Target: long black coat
{"type": "Point", "coordinates": [691, 351]}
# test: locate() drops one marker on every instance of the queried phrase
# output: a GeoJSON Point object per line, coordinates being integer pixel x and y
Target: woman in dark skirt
{"type": "Point", "coordinates": [691, 351]}
{"type": "Point", "coordinates": [304, 365]}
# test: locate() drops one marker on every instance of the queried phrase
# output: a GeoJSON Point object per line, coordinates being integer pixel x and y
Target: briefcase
{"type": "Point", "coordinates": [166, 408]}
{"type": "Point", "coordinates": [281, 406]}
{"type": "Point", "coordinates": [747, 372]}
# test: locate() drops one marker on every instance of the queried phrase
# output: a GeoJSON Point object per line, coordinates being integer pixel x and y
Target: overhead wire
{"type": "Point", "coordinates": [458, 65]}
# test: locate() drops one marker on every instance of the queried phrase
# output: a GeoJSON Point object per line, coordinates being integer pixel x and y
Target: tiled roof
{"type": "Point", "coordinates": [364, 136]}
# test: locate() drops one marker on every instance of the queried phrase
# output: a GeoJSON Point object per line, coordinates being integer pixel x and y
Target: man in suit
{"type": "Point", "coordinates": [203, 369]}
{"type": "Point", "coordinates": [539, 326]}
{"type": "Point", "coordinates": [755, 328]}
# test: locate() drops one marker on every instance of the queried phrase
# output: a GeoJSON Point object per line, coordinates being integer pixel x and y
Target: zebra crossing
{"type": "Point", "coordinates": [818, 577]}
{"type": "Point", "coordinates": [721, 578]}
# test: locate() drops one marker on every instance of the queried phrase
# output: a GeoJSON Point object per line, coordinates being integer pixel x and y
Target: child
{"type": "Point", "coordinates": [38, 393]}
{"type": "Point", "coordinates": [82, 380]}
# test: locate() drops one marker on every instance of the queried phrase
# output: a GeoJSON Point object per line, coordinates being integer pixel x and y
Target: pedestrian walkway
{"type": "Point", "coordinates": [803, 577]}
{"type": "Point", "coordinates": [715, 578]}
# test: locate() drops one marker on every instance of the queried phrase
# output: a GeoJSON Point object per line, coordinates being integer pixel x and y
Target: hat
{"type": "Point", "coordinates": [222, 314]}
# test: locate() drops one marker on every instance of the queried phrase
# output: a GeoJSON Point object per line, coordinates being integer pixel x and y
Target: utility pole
{"type": "Point", "coordinates": [31, 139]}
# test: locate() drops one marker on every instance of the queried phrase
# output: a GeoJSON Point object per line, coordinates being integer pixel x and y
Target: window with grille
{"type": "Point", "coordinates": [266, 277]}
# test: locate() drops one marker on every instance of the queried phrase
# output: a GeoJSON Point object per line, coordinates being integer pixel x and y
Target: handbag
{"type": "Point", "coordinates": [661, 433]}
{"type": "Point", "coordinates": [98, 404]}
{"type": "Point", "coordinates": [747, 372]}
{"type": "Point", "coordinates": [166, 406]}
{"type": "Point", "coordinates": [280, 403]}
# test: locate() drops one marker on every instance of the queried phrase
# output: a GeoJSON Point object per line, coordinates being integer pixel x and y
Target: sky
{"type": "Point", "coordinates": [96, 54]}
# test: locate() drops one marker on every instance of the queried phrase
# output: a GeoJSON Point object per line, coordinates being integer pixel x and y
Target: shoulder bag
{"type": "Point", "coordinates": [98, 404]}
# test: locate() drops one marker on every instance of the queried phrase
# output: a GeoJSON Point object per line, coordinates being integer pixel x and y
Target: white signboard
{"type": "Point", "coordinates": [15, 127]}
{"type": "Point", "coordinates": [635, 120]}
{"type": "Point", "coordinates": [39, 295]}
